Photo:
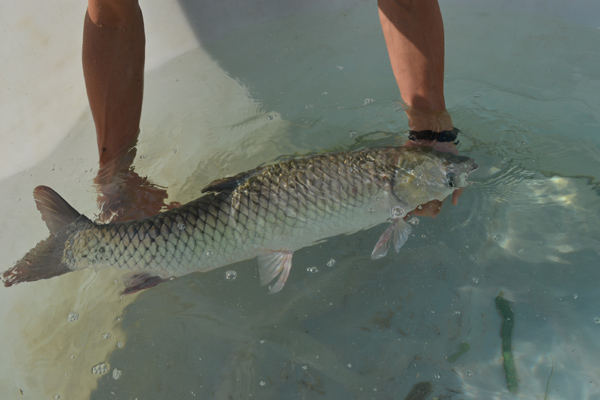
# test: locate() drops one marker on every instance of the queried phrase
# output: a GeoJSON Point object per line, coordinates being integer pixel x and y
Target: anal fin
{"type": "Point", "coordinates": [398, 232]}
{"type": "Point", "coordinates": [137, 281]}
{"type": "Point", "coordinates": [274, 264]}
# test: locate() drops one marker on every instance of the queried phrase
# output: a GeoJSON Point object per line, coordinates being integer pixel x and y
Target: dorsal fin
{"type": "Point", "coordinates": [231, 182]}
{"type": "Point", "coordinates": [56, 212]}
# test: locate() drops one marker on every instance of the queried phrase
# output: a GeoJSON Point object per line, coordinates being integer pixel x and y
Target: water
{"type": "Point", "coordinates": [522, 89]}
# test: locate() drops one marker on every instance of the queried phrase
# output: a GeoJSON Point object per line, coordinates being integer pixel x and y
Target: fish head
{"type": "Point", "coordinates": [457, 169]}
{"type": "Point", "coordinates": [424, 174]}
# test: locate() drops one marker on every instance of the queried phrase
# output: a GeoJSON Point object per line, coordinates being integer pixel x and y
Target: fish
{"type": "Point", "coordinates": [266, 213]}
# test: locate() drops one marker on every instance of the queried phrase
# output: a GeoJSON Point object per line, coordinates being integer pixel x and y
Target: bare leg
{"type": "Point", "coordinates": [414, 35]}
{"type": "Point", "coordinates": [113, 68]}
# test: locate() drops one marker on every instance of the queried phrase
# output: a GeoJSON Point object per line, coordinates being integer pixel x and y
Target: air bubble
{"type": "Point", "coordinates": [181, 226]}
{"type": "Point", "coordinates": [475, 279]}
{"type": "Point", "coordinates": [349, 365]}
{"type": "Point", "coordinates": [305, 367]}
{"type": "Point", "coordinates": [209, 252]}
{"type": "Point", "coordinates": [57, 396]}
{"type": "Point", "coordinates": [414, 221]}
{"type": "Point", "coordinates": [117, 373]}
{"type": "Point", "coordinates": [353, 134]}
{"type": "Point", "coordinates": [73, 316]}
{"type": "Point", "coordinates": [100, 369]}
{"type": "Point", "coordinates": [576, 76]}
{"type": "Point", "coordinates": [230, 275]}
{"type": "Point", "coordinates": [575, 296]}
{"type": "Point", "coordinates": [437, 376]}
{"type": "Point", "coordinates": [371, 210]}
{"type": "Point", "coordinates": [597, 320]}
{"type": "Point", "coordinates": [468, 373]}
{"type": "Point", "coordinates": [106, 335]}
{"type": "Point", "coordinates": [398, 212]}
{"type": "Point", "coordinates": [331, 262]}
{"type": "Point", "coordinates": [262, 383]}
{"type": "Point", "coordinates": [119, 345]}
{"type": "Point", "coordinates": [312, 270]}
{"type": "Point", "coordinates": [368, 101]}
{"type": "Point", "coordinates": [477, 94]}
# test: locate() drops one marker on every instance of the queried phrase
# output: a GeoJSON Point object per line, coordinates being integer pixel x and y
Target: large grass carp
{"type": "Point", "coordinates": [268, 213]}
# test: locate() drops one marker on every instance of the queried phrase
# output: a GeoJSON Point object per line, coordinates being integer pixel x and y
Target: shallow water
{"type": "Point", "coordinates": [522, 89]}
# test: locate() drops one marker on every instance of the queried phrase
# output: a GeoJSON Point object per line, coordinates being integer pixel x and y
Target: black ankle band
{"type": "Point", "coordinates": [443, 136]}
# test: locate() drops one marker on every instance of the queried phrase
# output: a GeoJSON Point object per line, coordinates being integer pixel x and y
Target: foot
{"type": "Point", "coordinates": [125, 195]}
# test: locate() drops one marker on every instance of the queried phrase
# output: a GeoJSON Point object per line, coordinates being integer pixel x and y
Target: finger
{"type": "Point", "coordinates": [430, 209]}
{"type": "Point", "coordinates": [456, 195]}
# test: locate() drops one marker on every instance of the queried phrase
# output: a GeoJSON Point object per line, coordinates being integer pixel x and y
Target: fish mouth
{"type": "Point", "coordinates": [458, 173]}
{"type": "Point", "coordinates": [474, 167]}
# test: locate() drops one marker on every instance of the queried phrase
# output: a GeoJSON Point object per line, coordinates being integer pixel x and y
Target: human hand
{"type": "Point", "coordinates": [433, 208]}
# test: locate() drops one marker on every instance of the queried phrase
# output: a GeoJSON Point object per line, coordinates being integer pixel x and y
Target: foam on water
{"type": "Point", "coordinates": [523, 90]}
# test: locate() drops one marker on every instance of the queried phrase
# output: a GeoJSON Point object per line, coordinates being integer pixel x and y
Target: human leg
{"type": "Point", "coordinates": [113, 66]}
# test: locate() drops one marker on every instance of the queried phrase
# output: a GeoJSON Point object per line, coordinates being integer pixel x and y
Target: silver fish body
{"type": "Point", "coordinates": [268, 212]}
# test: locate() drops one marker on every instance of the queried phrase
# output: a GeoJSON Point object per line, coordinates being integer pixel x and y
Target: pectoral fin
{"type": "Point", "coordinates": [398, 232]}
{"type": "Point", "coordinates": [135, 282]}
{"type": "Point", "coordinates": [272, 264]}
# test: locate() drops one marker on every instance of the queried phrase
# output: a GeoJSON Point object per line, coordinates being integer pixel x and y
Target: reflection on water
{"type": "Point", "coordinates": [539, 219]}
{"type": "Point", "coordinates": [356, 328]}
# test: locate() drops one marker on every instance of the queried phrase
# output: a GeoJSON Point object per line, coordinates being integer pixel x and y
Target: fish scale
{"type": "Point", "coordinates": [313, 199]}
{"type": "Point", "coordinates": [268, 213]}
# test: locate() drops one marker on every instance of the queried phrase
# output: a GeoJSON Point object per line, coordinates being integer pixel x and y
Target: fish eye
{"type": "Point", "coordinates": [451, 179]}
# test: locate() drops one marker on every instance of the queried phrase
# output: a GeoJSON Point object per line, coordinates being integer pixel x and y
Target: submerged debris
{"type": "Point", "coordinates": [505, 310]}
{"type": "Point", "coordinates": [419, 391]}
{"type": "Point", "coordinates": [464, 347]}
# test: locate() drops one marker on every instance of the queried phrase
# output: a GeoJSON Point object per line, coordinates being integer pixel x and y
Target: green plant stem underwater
{"type": "Point", "coordinates": [505, 310]}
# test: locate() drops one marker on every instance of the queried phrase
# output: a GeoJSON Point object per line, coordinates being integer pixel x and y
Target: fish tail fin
{"type": "Point", "coordinates": [45, 260]}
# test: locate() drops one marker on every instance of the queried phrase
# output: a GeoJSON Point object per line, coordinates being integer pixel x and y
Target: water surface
{"type": "Point", "coordinates": [523, 90]}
